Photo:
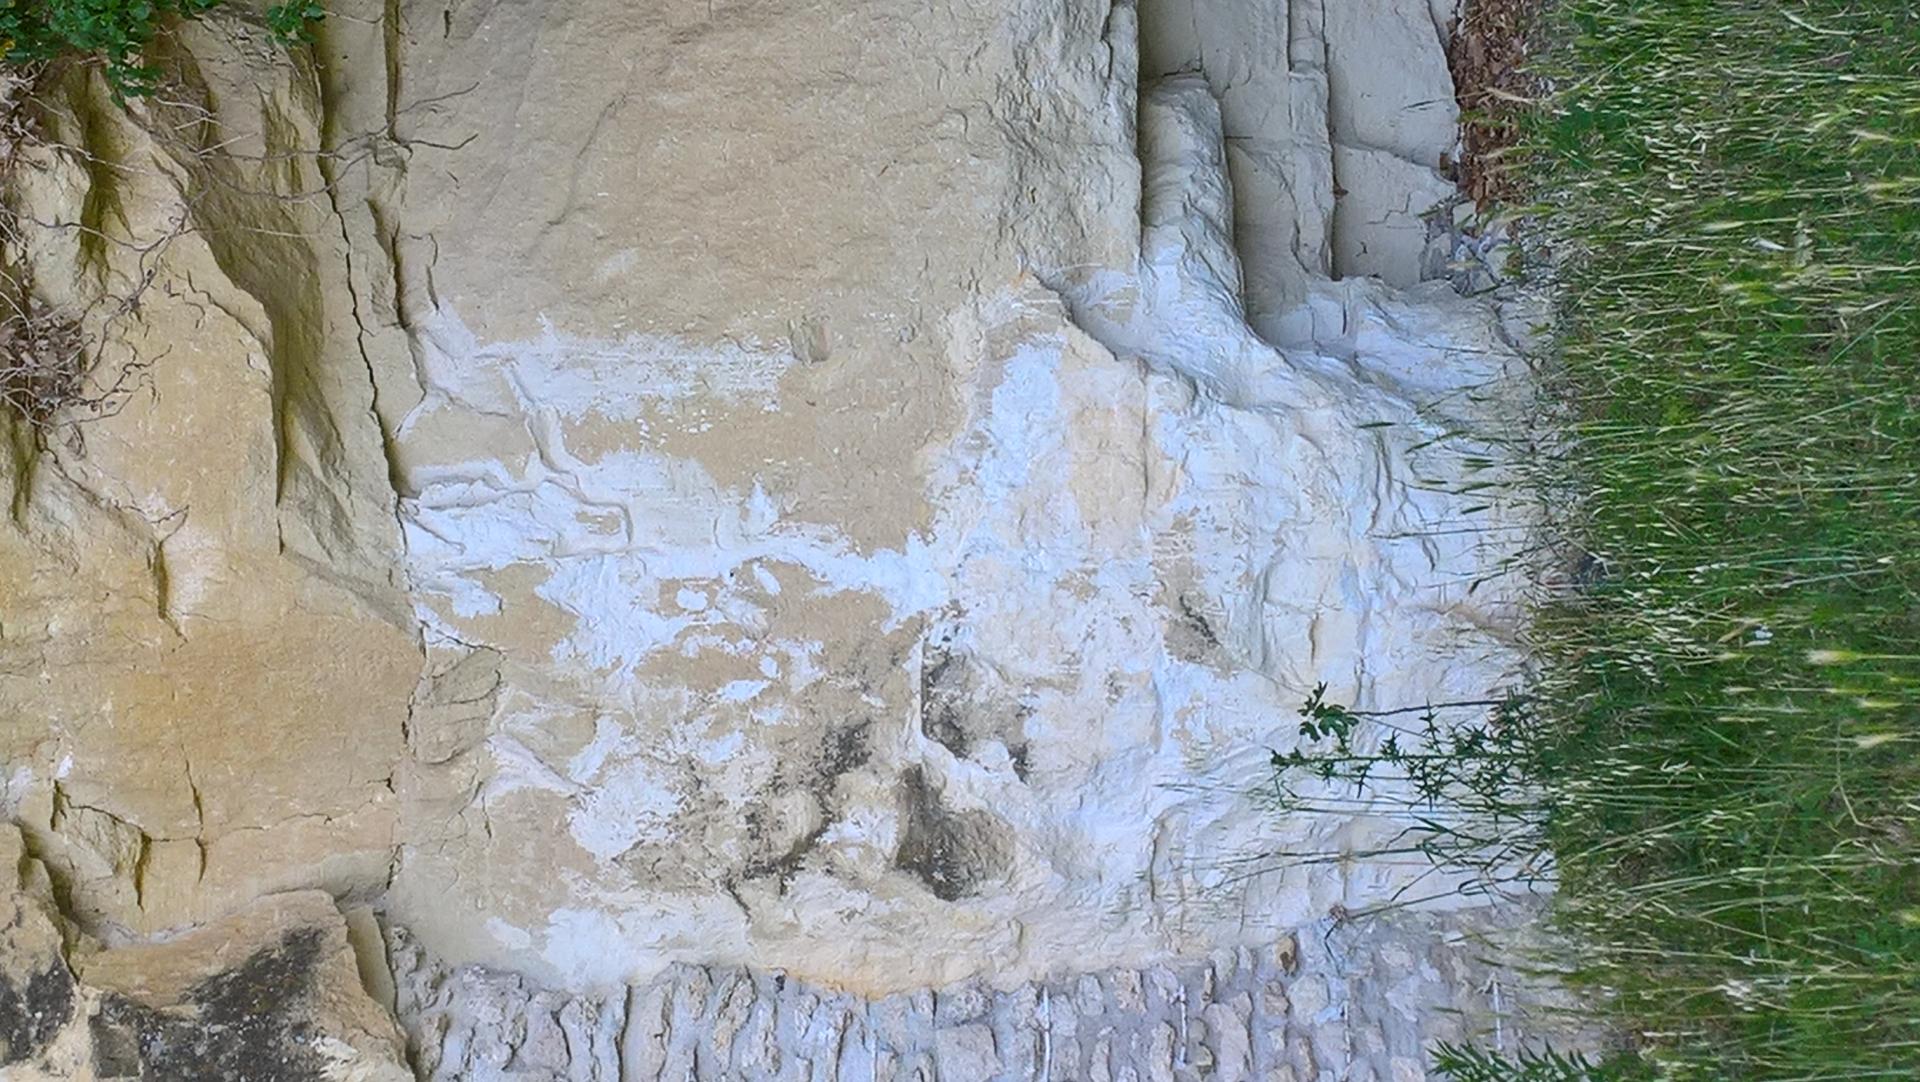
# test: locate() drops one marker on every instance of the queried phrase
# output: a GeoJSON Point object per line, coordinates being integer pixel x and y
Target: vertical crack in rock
{"type": "Point", "coordinates": [356, 309]}
{"type": "Point", "coordinates": [1310, 115]}
{"type": "Point", "coordinates": [363, 166]}
{"type": "Point", "coordinates": [1311, 35]}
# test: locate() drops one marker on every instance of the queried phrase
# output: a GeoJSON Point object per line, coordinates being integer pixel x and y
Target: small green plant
{"type": "Point", "coordinates": [1487, 759]}
{"type": "Point", "coordinates": [1471, 789]}
{"type": "Point", "coordinates": [292, 23]}
{"type": "Point", "coordinates": [118, 32]}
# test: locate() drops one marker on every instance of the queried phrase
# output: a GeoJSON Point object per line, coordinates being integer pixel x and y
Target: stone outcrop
{"type": "Point", "coordinates": [814, 503]}
{"type": "Point", "coordinates": [896, 588]}
{"type": "Point", "coordinates": [272, 992]}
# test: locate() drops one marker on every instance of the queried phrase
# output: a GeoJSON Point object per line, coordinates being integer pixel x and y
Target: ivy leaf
{"type": "Point", "coordinates": [292, 23]}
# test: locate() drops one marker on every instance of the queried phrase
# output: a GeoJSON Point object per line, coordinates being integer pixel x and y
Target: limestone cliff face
{"type": "Point", "coordinates": [855, 490]}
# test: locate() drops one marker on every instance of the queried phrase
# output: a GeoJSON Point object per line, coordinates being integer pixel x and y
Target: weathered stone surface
{"type": "Point", "coordinates": [1337, 116]}
{"type": "Point", "coordinates": [1393, 122]}
{"type": "Point", "coordinates": [207, 648]}
{"type": "Point", "coordinates": [721, 518]}
{"type": "Point", "coordinates": [269, 994]}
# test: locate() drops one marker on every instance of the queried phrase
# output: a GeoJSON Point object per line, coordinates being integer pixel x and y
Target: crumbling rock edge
{"type": "Point", "coordinates": [289, 990]}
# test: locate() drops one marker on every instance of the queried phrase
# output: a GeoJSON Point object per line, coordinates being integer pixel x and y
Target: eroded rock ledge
{"type": "Point", "coordinates": [290, 991]}
{"type": "Point", "coordinates": [1356, 1003]}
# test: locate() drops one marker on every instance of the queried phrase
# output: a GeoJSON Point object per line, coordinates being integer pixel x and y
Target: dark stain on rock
{"type": "Point", "coordinates": [942, 687]}
{"type": "Point", "coordinates": [781, 866]}
{"type": "Point", "coordinates": [1198, 621]}
{"type": "Point", "coordinates": [247, 1024]}
{"type": "Point", "coordinates": [32, 1013]}
{"type": "Point", "coordinates": [1019, 748]}
{"type": "Point", "coordinates": [952, 852]}
{"type": "Point", "coordinates": [1021, 753]}
{"type": "Point", "coordinates": [1192, 634]}
{"type": "Point", "coordinates": [959, 709]}
{"type": "Point", "coordinates": [842, 751]}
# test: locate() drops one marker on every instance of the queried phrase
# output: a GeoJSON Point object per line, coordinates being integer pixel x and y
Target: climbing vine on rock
{"type": "Point", "coordinates": [119, 31]}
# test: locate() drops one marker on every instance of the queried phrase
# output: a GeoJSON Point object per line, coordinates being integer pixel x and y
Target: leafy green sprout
{"type": "Point", "coordinates": [1484, 764]}
{"type": "Point", "coordinates": [292, 23]}
{"type": "Point", "coordinates": [118, 32]}
{"type": "Point", "coordinates": [1469, 779]}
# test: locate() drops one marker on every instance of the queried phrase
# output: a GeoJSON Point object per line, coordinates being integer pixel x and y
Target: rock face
{"type": "Point", "coordinates": [830, 501]}
{"type": "Point", "coordinates": [207, 646]}
{"type": "Point", "coordinates": [272, 992]}
{"type": "Point", "coordinates": [888, 588]}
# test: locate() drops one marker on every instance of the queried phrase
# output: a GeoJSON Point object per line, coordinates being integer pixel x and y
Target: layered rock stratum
{"type": "Point", "coordinates": [747, 539]}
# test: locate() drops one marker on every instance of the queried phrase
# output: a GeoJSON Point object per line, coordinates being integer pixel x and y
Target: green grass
{"type": "Point", "coordinates": [1733, 705]}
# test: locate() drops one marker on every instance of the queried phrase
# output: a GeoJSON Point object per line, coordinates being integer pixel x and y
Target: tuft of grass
{"type": "Point", "coordinates": [1717, 757]}
{"type": "Point", "coordinates": [1468, 1063]}
{"type": "Point", "coordinates": [1733, 189]}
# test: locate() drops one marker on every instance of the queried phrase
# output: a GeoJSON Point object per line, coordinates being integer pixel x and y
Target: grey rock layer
{"type": "Point", "coordinates": [1356, 1002]}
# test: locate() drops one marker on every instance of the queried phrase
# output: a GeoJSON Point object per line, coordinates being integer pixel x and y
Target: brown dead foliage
{"type": "Point", "coordinates": [1493, 86]}
{"type": "Point", "coordinates": [49, 365]}
{"type": "Point", "coordinates": [43, 362]}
